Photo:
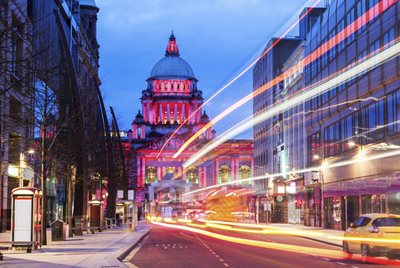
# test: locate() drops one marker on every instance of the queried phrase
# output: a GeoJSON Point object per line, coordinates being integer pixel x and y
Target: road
{"type": "Point", "coordinates": [165, 247]}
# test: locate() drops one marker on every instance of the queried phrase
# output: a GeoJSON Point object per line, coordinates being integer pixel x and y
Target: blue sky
{"type": "Point", "coordinates": [216, 37]}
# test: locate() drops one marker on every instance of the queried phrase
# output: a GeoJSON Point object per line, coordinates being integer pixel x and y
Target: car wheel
{"type": "Point", "coordinates": [347, 250]}
{"type": "Point", "coordinates": [365, 252]}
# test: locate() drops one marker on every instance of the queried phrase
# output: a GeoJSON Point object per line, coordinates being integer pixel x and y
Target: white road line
{"type": "Point", "coordinates": [326, 259]}
{"type": "Point", "coordinates": [354, 267]}
{"type": "Point", "coordinates": [227, 265]}
{"type": "Point", "coordinates": [341, 263]}
{"type": "Point", "coordinates": [222, 260]}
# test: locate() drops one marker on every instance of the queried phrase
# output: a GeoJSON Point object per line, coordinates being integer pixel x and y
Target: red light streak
{"type": "Point", "coordinates": [328, 45]}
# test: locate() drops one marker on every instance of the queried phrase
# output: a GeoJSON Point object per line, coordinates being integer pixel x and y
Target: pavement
{"type": "Point", "coordinates": [101, 249]}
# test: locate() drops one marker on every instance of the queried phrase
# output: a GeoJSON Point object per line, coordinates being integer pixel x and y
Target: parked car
{"type": "Point", "coordinates": [374, 235]}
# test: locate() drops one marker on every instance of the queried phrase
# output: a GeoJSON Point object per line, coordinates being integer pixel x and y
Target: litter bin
{"type": "Point", "coordinates": [58, 231]}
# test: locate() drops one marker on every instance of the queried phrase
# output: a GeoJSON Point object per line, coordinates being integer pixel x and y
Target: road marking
{"type": "Point", "coordinates": [227, 265]}
{"type": "Point", "coordinates": [222, 260]}
{"type": "Point", "coordinates": [341, 263]}
{"type": "Point", "coordinates": [354, 267]}
{"type": "Point", "coordinates": [326, 259]}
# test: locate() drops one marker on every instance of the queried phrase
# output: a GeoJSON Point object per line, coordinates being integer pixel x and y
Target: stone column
{"type": "Point", "coordinates": [159, 173]}
{"type": "Point", "coordinates": [160, 112]}
{"type": "Point", "coordinates": [168, 112]}
{"type": "Point", "coordinates": [175, 112]}
{"type": "Point", "coordinates": [183, 112]}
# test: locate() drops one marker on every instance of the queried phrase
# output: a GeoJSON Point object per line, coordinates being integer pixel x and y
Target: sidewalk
{"type": "Point", "coordinates": [327, 236]}
{"type": "Point", "coordinates": [90, 250]}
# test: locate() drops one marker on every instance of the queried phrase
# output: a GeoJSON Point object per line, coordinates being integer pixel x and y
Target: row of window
{"type": "Point", "coordinates": [369, 124]}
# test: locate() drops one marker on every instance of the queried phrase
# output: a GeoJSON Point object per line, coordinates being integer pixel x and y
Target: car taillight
{"type": "Point", "coordinates": [373, 229]}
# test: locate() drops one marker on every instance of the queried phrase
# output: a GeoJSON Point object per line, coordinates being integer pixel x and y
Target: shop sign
{"type": "Point", "coordinates": [131, 195]}
{"type": "Point", "coordinates": [267, 207]}
{"type": "Point", "coordinates": [291, 189]}
{"type": "Point", "coordinates": [281, 189]}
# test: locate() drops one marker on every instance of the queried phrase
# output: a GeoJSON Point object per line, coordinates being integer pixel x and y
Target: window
{"type": "Point", "coordinates": [348, 128]}
{"type": "Point", "coordinates": [388, 37]}
{"type": "Point", "coordinates": [150, 175]}
{"type": "Point", "coordinates": [170, 170]}
{"type": "Point", "coordinates": [372, 122]}
{"type": "Point", "coordinates": [331, 140]}
{"type": "Point", "coordinates": [332, 45]}
{"type": "Point", "coordinates": [361, 9]}
{"type": "Point", "coordinates": [314, 144]}
{"type": "Point", "coordinates": [393, 113]}
{"type": "Point", "coordinates": [224, 174]}
{"type": "Point", "coordinates": [362, 221]}
{"type": "Point", "coordinates": [340, 28]}
{"type": "Point", "coordinates": [351, 28]}
{"type": "Point", "coordinates": [192, 176]}
{"type": "Point", "coordinates": [375, 11]}
{"type": "Point", "coordinates": [374, 46]}
{"type": "Point", "coordinates": [386, 222]}
{"type": "Point", "coordinates": [244, 172]}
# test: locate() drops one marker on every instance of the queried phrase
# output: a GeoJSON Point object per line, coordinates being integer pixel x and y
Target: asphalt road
{"type": "Point", "coordinates": [165, 247]}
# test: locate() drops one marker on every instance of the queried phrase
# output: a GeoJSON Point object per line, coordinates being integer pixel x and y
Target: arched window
{"type": "Point", "coordinates": [244, 172]}
{"type": "Point", "coordinates": [170, 170]}
{"type": "Point", "coordinates": [151, 175]}
{"type": "Point", "coordinates": [224, 174]}
{"type": "Point", "coordinates": [192, 175]}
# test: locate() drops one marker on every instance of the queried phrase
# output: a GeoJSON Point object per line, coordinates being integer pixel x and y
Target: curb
{"type": "Point", "coordinates": [132, 247]}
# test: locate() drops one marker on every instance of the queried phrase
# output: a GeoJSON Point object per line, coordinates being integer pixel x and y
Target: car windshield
{"type": "Point", "coordinates": [387, 222]}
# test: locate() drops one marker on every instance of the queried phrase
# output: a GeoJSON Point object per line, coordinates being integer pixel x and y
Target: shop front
{"type": "Point", "coordinates": [345, 201]}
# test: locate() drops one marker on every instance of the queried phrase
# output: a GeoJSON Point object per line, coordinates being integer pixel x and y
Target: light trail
{"type": "Point", "coordinates": [337, 79]}
{"type": "Point", "coordinates": [322, 167]}
{"type": "Point", "coordinates": [267, 229]}
{"type": "Point", "coordinates": [233, 80]}
{"type": "Point", "coordinates": [269, 245]}
{"type": "Point", "coordinates": [328, 45]}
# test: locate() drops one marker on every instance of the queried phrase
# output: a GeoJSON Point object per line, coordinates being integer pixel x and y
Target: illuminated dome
{"type": "Point", "coordinates": [172, 66]}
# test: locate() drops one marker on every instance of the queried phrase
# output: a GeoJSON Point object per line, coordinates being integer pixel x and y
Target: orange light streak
{"type": "Point", "coordinates": [328, 45]}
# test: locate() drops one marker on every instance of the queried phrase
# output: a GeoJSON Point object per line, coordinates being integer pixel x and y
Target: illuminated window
{"type": "Point", "coordinates": [192, 176]}
{"type": "Point", "coordinates": [224, 174]}
{"type": "Point", "coordinates": [150, 175]}
{"type": "Point", "coordinates": [244, 172]}
{"type": "Point", "coordinates": [170, 170]}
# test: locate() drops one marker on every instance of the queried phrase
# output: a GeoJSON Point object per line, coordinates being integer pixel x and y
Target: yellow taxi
{"type": "Point", "coordinates": [374, 235]}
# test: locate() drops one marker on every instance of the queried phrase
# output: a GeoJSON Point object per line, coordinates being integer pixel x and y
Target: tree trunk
{"type": "Point", "coordinates": [43, 186]}
{"type": "Point", "coordinates": [69, 202]}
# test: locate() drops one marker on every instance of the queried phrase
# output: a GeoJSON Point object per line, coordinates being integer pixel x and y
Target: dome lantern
{"type": "Point", "coordinates": [172, 66]}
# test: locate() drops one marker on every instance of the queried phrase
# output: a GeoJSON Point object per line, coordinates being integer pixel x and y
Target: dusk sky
{"type": "Point", "coordinates": [216, 37]}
